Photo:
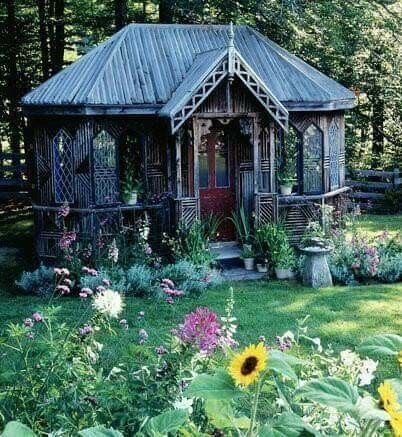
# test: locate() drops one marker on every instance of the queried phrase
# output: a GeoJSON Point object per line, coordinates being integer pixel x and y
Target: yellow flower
{"type": "Point", "coordinates": [400, 358]}
{"type": "Point", "coordinates": [396, 423]}
{"type": "Point", "coordinates": [388, 396]}
{"type": "Point", "coordinates": [246, 366]}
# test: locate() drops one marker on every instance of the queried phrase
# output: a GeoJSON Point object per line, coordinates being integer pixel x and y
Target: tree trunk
{"type": "Point", "coordinates": [120, 13]}
{"type": "Point", "coordinates": [12, 88]}
{"type": "Point", "coordinates": [44, 49]}
{"type": "Point", "coordinates": [166, 11]}
{"type": "Point", "coordinates": [58, 36]}
{"type": "Point", "coordinates": [377, 124]}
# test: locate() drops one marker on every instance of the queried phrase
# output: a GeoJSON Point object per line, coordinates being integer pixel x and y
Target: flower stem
{"type": "Point", "coordinates": [254, 408]}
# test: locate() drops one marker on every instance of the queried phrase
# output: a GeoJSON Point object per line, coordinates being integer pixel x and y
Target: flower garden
{"type": "Point", "coordinates": [143, 343]}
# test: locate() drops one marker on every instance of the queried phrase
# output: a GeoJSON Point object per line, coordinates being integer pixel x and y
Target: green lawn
{"type": "Point", "coordinates": [340, 315]}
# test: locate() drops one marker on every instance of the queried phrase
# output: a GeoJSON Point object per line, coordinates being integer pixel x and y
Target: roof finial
{"type": "Point", "coordinates": [231, 35]}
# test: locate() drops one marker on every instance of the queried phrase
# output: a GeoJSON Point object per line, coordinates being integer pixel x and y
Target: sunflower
{"type": "Point", "coordinates": [396, 423]}
{"type": "Point", "coordinates": [246, 366]}
{"type": "Point", "coordinates": [388, 396]}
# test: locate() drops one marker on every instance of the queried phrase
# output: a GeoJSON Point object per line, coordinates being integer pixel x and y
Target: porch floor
{"type": "Point", "coordinates": [228, 256]}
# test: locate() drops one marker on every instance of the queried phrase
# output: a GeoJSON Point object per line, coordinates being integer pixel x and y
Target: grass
{"type": "Point", "coordinates": [341, 316]}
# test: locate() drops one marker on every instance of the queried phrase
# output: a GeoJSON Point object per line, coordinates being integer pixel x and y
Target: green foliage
{"type": "Point", "coordinates": [17, 429]}
{"type": "Point", "coordinates": [40, 282]}
{"type": "Point", "coordinates": [243, 226]}
{"type": "Point", "coordinates": [99, 431]}
{"type": "Point", "coordinates": [189, 277]}
{"type": "Point", "coordinates": [140, 281]}
{"type": "Point", "coordinates": [391, 203]}
{"type": "Point", "coordinates": [384, 344]}
{"type": "Point", "coordinates": [165, 423]}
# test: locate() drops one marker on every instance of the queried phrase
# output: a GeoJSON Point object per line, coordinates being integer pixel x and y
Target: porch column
{"type": "Point", "coordinates": [256, 160]}
{"type": "Point", "coordinates": [272, 158]}
{"type": "Point", "coordinates": [178, 164]}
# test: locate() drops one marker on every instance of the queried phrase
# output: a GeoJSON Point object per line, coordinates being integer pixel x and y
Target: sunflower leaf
{"type": "Point", "coordinates": [280, 363]}
{"type": "Point", "coordinates": [287, 425]}
{"type": "Point", "coordinates": [221, 415]}
{"type": "Point", "coordinates": [216, 387]}
{"type": "Point", "coordinates": [331, 392]}
{"type": "Point", "coordinates": [384, 344]}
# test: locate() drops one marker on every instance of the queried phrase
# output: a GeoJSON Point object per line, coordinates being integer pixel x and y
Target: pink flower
{"type": "Point", "coordinates": [167, 283]}
{"type": "Point", "coordinates": [161, 350]}
{"type": "Point", "coordinates": [83, 295]}
{"type": "Point", "coordinates": [87, 291]}
{"type": "Point", "coordinates": [202, 329]}
{"type": "Point", "coordinates": [148, 250]}
{"type": "Point", "coordinates": [57, 271]}
{"type": "Point", "coordinates": [106, 282]}
{"type": "Point", "coordinates": [64, 210]}
{"type": "Point", "coordinates": [170, 300]}
{"type": "Point", "coordinates": [355, 265]}
{"type": "Point", "coordinates": [85, 330]}
{"type": "Point", "coordinates": [67, 239]}
{"type": "Point", "coordinates": [63, 289]}
{"type": "Point", "coordinates": [28, 322]}
{"type": "Point", "coordinates": [37, 317]}
{"type": "Point", "coordinates": [67, 282]}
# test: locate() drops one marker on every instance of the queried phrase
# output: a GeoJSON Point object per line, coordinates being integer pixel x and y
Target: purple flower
{"type": "Point", "coordinates": [87, 291]}
{"type": "Point", "coordinates": [106, 282]}
{"type": "Point", "coordinates": [63, 289]}
{"type": "Point", "coordinates": [64, 210]}
{"type": "Point", "coordinates": [284, 343]}
{"type": "Point", "coordinates": [85, 330]}
{"type": "Point", "coordinates": [202, 329]}
{"type": "Point", "coordinates": [161, 350]}
{"type": "Point", "coordinates": [143, 336]}
{"type": "Point", "coordinates": [124, 324]}
{"type": "Point", "coordinates": [167, 283]}
{"type": "Point", "coordinates": [83, 295]}
{"type": "Point", "coordinates": [28, 322]}
{"type": "Point", "coordinates": [37, 317]}
{"type": "Point", "coordinates": [67, 239]}
{"type": "Point", "coordinates": [148, 250]}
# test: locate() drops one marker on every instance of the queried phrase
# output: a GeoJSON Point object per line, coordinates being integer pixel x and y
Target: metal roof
{"type": "Point", "coordinates": [144, 66]}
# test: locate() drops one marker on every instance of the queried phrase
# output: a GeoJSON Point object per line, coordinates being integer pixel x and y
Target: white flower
{"type": "Point", "coordinates": [109, 303]}
{"type": "Point", "coordinates": [349, 358]}
{"type": "Point", "coordinates": [367, 369]}
{"type": "Point", "coordinates": [280, 403]}
{"type": "Point", "coordinates": [184, 404]}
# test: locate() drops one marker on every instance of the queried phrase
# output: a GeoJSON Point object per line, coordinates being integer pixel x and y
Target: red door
{"type": "Point", "coordinates": [216, 180]}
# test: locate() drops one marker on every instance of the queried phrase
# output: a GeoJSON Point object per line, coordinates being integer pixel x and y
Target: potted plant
{"type": "Point", "coordinates": [284, 260]}
{"type": "Point", "coordinates": [243, 228]}
{"type": "Point", "coordinates": [248, 258]}
{"type": "Point", "coordinates": [131, 188]}
{"type": "Point", "coordinates": [262, 265]}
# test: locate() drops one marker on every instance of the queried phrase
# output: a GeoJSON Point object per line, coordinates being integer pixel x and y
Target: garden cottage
{"type": "Point", "coordinates": [180, 122]}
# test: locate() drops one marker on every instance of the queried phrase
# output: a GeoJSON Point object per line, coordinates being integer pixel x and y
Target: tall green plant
{"type": "Point", "coordinates": [243, 226]}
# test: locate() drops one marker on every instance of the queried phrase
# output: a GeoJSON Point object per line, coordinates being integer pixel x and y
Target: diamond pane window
{"type": "Point", "coordinates": [105, 172]}
{"type": "Point", "coordinates": [334, 155]}
{"type": "Point", "coordinates": [63, 167]}
{"type": "Point", "coordinates": [312, 160]}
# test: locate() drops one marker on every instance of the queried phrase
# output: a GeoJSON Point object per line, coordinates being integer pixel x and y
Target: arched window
{"type": "Point", "coordinates": [105, 172]}
{"type": "Point", "coordinates": [334, 155]}
{"type": "Point", "coordinates": [312, 160]}
{"type": "Point", "coordinates": [63, 167]}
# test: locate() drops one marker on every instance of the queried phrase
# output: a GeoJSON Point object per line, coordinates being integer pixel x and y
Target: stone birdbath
{"type": "Point", "coordinates": [316, 271]}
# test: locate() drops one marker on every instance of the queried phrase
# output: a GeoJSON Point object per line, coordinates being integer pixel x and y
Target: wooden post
{"type": "Point", "coordinates": [272, 158]}
{"type": "Point", "coordinates": [178, 164]}
{"type": "Point", "coordinates": [196, 140]}
{"type": "Point", "coordinates": [256, 170]}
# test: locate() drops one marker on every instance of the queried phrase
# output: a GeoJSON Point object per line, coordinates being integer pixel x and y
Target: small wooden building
{"type": "Point", "coordinates": [201, 114]}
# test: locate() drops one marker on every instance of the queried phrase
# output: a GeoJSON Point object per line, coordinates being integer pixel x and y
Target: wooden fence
{"type": "Point", "coordinates": [13, 180]}
{"type": "Point", "coordinates": [369, 186]}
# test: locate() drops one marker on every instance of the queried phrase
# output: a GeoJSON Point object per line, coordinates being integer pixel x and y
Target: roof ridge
{"type": "Point", "coordinates": [119, 41]}
{"type": "Point", "coordinates": [275, 47]}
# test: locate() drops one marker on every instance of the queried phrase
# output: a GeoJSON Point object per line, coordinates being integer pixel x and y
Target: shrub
{"type": "Point", "coordinates": [189, 277]}
{"type": "Point", "coordinates": [390, 268]}
{"type": "Point", "coordinates": [40, 282]}
{"type": "Point", "coordinates": [104, 277]}
{"type": "Point", "coordinates": [140, 280]}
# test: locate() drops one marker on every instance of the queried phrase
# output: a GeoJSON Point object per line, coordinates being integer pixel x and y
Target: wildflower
{"type": "Point", "coordinates": [65, 272]}
{"type": "Point", "coordinates": [170, 300]}
{"type": "Point", "coordinates": [396, 423]}
{"type": "Point", "coordinates": [85, 330]}
{"type": "Point", "coordinates": [367, 369]}
{"type": "Point", "coordinates": [63, 289]}
{"type": "Point", "coordinates": [141, 315]}
{"type": "Point", "coordinates": [261, 339]}
{"type": "Point", "coordinates": [355, 265]}
{"type": "Point", "coordinates": [183, 404]}
{"type": "Point", "coordinates": [87, 291]}
{"type": "Point", "coordinates": [37, 317]}
{"type": "Point", "coordinates": [201, 328]}
{"type": "Point", "coordinates": [83, 295]}
{"type": "Point", "coordinates": [143, 336]}
{"type": "Point", "coordinates": [247, 365]}
{"type": "Point", "coordinates": [64, 210]}
{"type": "Point", "coordinates": [109, 303]}
{"type": "Point", "coordinates": [349, 358]}
{"type": "Point", "coordinates": [30, 335]}
{"type": "Point", "coordinates": [284, 343]}
{"type": "Point", "coordinates": [100, 289]}
{"type": "Point", "coordinates": [106, 282]}
{"type": "Point", "coordinates": [167, 283]}
{"type": "Point", "coordinates": [113, 252]}
{"type": "Point", "coordinates": [148, 250]}
{"type": "Point", "coordinates": [57, 271]}
{"type": "Point", "coordinates": [124, 324]}
{"type": "Point", "coordinates": [28, 322]}
{"type": "Point", "coordinates": [67, 239]}
{"type": "Point", "coordinates": [161, 350]}
{"type": "Point", "coordinates": [67, 282]}
{"type": "Point", "coordinates": [388, 397]}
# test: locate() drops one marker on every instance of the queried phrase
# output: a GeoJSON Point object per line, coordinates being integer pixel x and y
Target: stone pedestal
{"type": "Point", "coordinates": [316, 271]}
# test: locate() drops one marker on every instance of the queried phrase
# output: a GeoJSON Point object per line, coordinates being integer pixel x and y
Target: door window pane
{"type": "Point", "coordinates": [203, 162]}
{"type": "Point", "coordinates": [221, 163]}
